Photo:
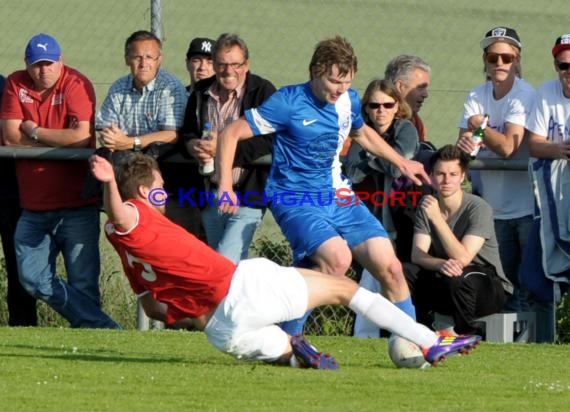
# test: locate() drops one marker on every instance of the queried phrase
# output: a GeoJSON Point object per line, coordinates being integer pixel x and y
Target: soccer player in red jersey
{"type": "Point", "coordinates": [180, 280]}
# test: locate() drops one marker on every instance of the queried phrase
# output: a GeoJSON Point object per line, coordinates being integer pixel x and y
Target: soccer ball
{"type": "Point", "coordinates": [406, 354]}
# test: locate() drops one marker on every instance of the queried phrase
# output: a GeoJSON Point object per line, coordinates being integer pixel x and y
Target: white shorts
{"type": "Point", "coordinates": [261, 295]}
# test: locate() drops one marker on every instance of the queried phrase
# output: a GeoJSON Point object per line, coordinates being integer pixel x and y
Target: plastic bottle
{"type": "Point", "coordinates": [207, 168]}
{"type": "Point", "coordinates": [478, 136]}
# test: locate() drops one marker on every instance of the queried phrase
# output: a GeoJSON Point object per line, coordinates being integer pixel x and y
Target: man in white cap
{"type": "Point", "coordinates": [547, 264]}
{"type": "Point", "coordinates": [507, 99]}
{"type": "Point", "coordinates": [51, 105]}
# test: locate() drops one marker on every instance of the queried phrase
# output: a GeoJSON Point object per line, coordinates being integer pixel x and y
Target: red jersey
{"type": "Point", "coordinates": [177, 268]}
{"type": "Point", "coordinates": [51, 184]}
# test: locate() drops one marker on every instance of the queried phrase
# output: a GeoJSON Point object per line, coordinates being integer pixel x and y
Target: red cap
{"type": "Point", "coordinates": [562, 43]}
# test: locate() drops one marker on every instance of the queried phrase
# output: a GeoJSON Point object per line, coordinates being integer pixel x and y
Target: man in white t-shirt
{"type": "Point", "coordinates": [549, 144]}
{"type": "Point", "coordinates": [549, 123]}
{"type": "Point", "coordinates": [507, 99]}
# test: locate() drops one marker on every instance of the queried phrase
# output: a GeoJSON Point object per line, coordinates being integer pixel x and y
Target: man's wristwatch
{"type": "Point", "coordinates": [34, 134]}
{"type": "Point", "coordinates": [137, 145]}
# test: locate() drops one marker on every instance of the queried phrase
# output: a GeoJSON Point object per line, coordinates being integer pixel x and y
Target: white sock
{"type": "Point", "coordinates": [385, 315]}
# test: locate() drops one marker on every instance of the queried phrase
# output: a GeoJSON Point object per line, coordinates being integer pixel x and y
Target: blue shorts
{"type": "Point", "coordinates": [307, 227]}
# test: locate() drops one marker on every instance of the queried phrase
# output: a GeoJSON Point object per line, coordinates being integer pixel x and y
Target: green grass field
{"type": "Point", "coordinates": [59, 369]}
{"type": "Point", "coordinates": [53, 369]}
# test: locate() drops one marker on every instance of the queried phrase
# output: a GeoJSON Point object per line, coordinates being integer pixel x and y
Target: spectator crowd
{"type": "Point", "coordinates": [453, 251]}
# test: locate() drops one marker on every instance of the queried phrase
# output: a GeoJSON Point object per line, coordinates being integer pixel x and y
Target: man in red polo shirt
{"type": "Point", "coordinates": [51, 105]}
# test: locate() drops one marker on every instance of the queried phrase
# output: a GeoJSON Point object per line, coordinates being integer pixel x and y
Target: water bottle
{"type": "Point", "coordinates": [207, 168]}
{"type": "Point", "coordinates": [478, 136]}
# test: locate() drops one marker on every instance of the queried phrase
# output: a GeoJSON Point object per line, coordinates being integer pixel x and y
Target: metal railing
{"type": "Point", "coordinates": [58, 153]}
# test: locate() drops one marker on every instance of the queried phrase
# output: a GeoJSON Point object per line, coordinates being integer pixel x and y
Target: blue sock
{"type": "Point", "coordinates": [295, 326]}
{"type": "Point", "coordinates": [407, 306]}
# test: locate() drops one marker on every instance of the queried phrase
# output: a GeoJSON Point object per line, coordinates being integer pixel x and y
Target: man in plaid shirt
{"type": "Point", "coordinates": [145, 110]}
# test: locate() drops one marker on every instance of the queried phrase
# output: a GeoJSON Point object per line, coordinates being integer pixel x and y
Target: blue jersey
{"type": "Point", "coordinates": [309, 135]}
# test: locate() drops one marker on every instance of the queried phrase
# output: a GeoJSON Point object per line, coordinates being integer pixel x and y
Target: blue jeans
{"type": "Point", "coordinates": [230, 234]}
{"type": "Point", "coordinates": [512, 235]}
{"type": "Point", "coordinates": [39, 238]}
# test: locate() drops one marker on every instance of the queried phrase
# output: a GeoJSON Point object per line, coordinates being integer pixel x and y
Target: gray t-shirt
{"type": "Point", "coordinates": [475, 217]}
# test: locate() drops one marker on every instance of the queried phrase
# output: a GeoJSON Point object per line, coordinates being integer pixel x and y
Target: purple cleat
{"type": "Point", "coordinates": [309, 357]}
{"type": "Point", "coordinates": [450, 345]}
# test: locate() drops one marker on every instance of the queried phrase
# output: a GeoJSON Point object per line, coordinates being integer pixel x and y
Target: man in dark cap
{"type": "Point", "coordinates": [199, 60]}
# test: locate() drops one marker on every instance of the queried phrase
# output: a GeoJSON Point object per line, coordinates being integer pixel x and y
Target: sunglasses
{"type": "Point", "coordinates": [505, 57]}
{"type": "Point", "coordinates": [375, 106]}
{"type": "Point", "coordinates": [563, 66]}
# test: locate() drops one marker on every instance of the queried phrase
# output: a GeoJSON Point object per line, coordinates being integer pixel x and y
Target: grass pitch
{"type": "Point", "coordinates": [59, 369]}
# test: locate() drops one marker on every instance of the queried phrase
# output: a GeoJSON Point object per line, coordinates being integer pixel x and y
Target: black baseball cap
{"type": "Point", "coordinates": [200, 46]}
{"type": "Point", "coordinates": [504, 34]}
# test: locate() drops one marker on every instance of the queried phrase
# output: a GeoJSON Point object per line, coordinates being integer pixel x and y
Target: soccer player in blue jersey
{"type": "Point", "coordinates": [311, 122]}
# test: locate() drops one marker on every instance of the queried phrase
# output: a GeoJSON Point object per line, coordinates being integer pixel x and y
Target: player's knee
{"type": "Point", "coordinates": [333, 261]}
{"type": "Point", "coordinates": [339, 264]}
{"type": "Point", "coordinates": [396, 271]}
{"type": "Point", "coordinates": [391, 271]}
{"type": "Point", "coordinates": [392, 275]}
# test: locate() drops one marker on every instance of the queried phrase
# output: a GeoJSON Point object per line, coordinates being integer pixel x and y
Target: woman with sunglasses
{"type": "Point", "coordinates": [507, 98]}
{"type": "Point", "coordinates": [386, 112]}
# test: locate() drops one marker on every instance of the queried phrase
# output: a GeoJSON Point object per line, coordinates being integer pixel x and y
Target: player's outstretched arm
{"type": "Point", "coordinates": [373, 143]}
{"type": "Point", "coordinates": [120, 214]}
{"type": "Point", "coordinates": [225, 154]}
